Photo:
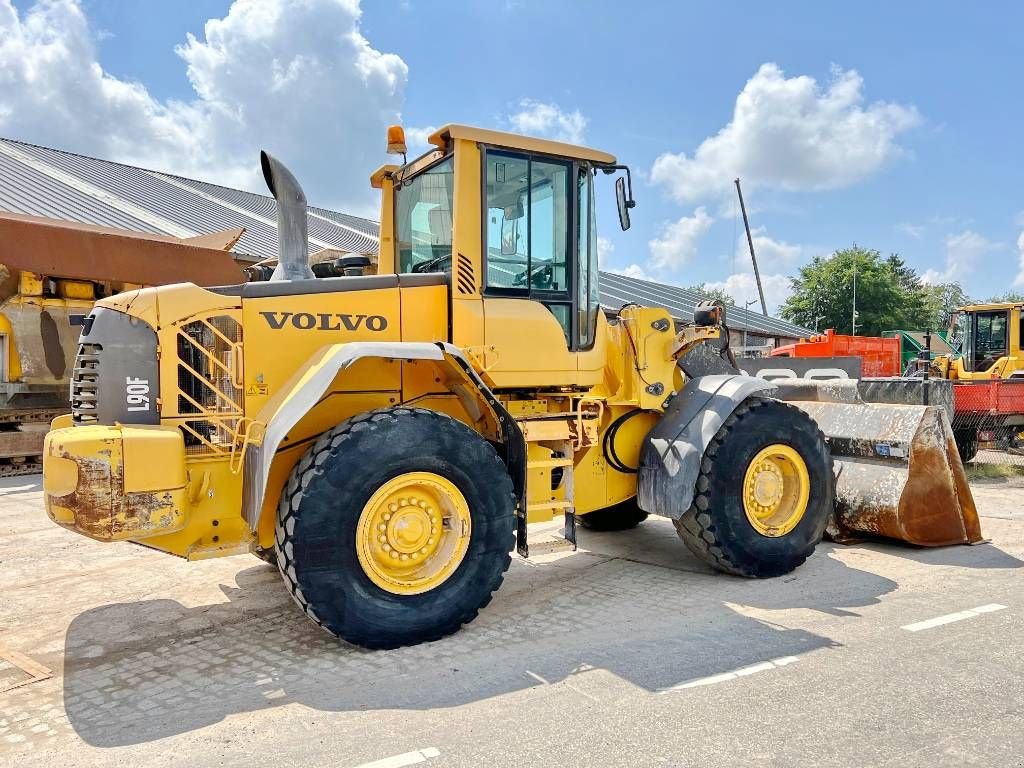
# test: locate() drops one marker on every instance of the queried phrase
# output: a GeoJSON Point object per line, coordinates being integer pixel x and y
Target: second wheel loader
{"type": "Point", "coordinates": [388, 438]}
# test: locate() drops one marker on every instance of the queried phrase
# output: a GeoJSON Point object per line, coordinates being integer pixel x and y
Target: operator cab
{"type": "Point", "coordinates": [986, 335]}
{"type": "Point", "coordinates": [528, 232]}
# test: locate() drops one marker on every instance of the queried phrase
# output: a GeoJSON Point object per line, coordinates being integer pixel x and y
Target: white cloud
{"type": "Point", "coordinates": [743, 287]}
{"type": "Point", "coordinates": [298, 79]}
{"type": "Point", "coordinates": [605, 249]}
{"type": "Point", "coordinates": [771, 253]}
{"type": "Point", "coordinates": [632, 270]}
{"type": "Point", "coordinates": [914, 230]}
{"type": "Point", "coordinates": [1019, 281]}
{"type": "Point", "coordinates": [417, 139]}
{"type": "Point", "coordinates": [538, 118]}
{"type": "Point", "coordinates": [963, 252]}
{"type": "Point", "coordinates": [676, 244]}
{"type": "Point", "coordinates": [791, 134]}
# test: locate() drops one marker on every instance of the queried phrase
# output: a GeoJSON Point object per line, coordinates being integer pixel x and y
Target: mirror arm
{"type": "Point", "coordinates": [610, 169]}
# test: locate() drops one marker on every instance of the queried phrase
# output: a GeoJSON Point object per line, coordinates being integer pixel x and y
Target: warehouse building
{"type": "Point", "coordinates": [41, 181]}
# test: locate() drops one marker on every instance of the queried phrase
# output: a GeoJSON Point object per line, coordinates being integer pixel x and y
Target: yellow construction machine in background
{"type": "Point", "coordinates": [387, 437]}
{"type": "Point", "coordinates": [51, 274]}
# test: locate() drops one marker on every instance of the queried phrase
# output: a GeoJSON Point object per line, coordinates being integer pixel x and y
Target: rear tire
{"type": "Point", "coordinates": [335, 483]}
{"type": "Point", "coordinates": [966, 443]}
{"type": "Point", "coordinates": [620, 517]}
{"type": "Point", "coordinates": [717, 529]}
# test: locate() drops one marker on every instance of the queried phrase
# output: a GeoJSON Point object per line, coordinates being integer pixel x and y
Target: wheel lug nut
{"type": "Point", "coordinates": [393, 507]}
{"type": "Point", "coordinates": [394, 555]}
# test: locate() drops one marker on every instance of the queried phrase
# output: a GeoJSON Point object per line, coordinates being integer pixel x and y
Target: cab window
{"type": "Point", "coordinates": [989, 339]}
{"type": "Point", "coordinates": [423, 219]}
{"type": "Point", "coordinates": [527, 231]}
{"type": "Point", "coordinates": [588, 295]}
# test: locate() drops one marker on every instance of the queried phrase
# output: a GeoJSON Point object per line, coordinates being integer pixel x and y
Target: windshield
{"type": "Point", "coordinates": [988, 342]}
{"type": "Point", "coordinates": [423, 220]}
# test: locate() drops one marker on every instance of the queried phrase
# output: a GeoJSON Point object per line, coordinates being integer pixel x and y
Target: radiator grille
{"type": "Point", "coordinates": [209, 383]}
{"type": "Point", "coordinates": [84, 384]}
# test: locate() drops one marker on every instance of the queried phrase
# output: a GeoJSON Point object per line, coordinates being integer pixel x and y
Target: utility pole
{"type": "Point", "coordinates": [750, 243]}
{"type": "Point", "coordinates": [853, 315]}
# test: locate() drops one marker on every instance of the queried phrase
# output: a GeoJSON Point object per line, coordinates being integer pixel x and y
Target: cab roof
{"type": "Point", "coordinates": [989, 306]}
{"type": "Point", "coordinates": [441, 137]}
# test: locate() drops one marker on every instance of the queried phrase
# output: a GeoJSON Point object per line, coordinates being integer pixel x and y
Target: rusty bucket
{"type": "Point", "coordinates": [899, 474]}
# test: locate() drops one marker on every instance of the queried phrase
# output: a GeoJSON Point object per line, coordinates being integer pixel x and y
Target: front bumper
{"type": "Point", "coordinates": [113, 483]}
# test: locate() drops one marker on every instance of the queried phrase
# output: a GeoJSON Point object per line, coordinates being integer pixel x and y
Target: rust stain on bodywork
{"type": "Point", "coordinates": [103, 511]}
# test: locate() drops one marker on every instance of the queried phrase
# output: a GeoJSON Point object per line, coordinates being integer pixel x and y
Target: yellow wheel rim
{"type": "Point", "coordinates": [776, 488]}
{"type": "Point", "coordinates": [413, 533]}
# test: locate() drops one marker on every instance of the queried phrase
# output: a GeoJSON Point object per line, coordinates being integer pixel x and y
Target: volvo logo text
{"type": "Point", "coordinates": [325, 321]}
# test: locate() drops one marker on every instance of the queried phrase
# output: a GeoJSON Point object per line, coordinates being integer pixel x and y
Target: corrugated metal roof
{"type": "Point", "coordinates": [64, 185]}
{"type": "Point", "coordinates": [108, 191]}
{"type": "Point", "coordinates": [617, 290]}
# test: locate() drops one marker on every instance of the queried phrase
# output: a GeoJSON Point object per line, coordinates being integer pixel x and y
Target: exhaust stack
{"type": "Point", "coordinates": [292, 226]}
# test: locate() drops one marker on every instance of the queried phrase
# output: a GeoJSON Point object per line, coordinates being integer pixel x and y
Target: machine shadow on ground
{"type": "Point", "coordinates": [654, 623]}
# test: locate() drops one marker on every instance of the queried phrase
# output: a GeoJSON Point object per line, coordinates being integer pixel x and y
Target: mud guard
{"type": "Point", "coordinates": [308, 385]}
{"type": "Point", "coordinates": [672, 451]}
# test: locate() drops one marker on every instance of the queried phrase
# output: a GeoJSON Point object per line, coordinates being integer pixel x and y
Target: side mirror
{"type": "Point", "coordinates": [625, 202]}
{"type": "Point", "coordinates": [509, 236]}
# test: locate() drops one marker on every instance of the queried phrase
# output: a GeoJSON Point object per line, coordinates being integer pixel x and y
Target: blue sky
{"type": "Point", "coordinates": [892, 125]}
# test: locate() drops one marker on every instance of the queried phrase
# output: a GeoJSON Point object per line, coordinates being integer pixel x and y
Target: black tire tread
{"type": "Point", "coordinates": [695, 527]}
{"type": "Point", "coordinates": [303, 473]}
{"type": "Point", "coordinates": [619, 517]}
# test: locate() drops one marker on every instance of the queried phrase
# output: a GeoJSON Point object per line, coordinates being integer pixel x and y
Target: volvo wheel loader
{"type": "Point", "coordinates": [387, 438]}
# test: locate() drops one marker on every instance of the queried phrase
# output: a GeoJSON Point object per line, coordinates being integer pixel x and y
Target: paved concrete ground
{"type": "Point", "coordinates": [629, 653]}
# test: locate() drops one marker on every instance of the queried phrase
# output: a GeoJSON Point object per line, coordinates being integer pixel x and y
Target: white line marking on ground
{"type": "Point", "coordinates": [949, 618]}
{"type": "Point", "coordinates": [535, 676]}
{"type": "Point", "coordinates": [723, 677]}
{"type": "Point", "coordinates": [407, 758]}
{"type": "Point", "coordinates": [17, 488]}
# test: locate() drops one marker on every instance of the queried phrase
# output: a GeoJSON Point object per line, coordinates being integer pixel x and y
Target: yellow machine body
{"type": "Point", "coordinates": [992, 340]}
{"type": "Point", "coordinates": [251, 352]}
{"type": "Point", "coordinates": [193, 405]}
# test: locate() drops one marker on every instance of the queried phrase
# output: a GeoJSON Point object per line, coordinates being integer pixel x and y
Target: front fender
{"type": "Point", "coordinates": [309, 385]}
{"type": "Point", "coordinates": [672, 451]}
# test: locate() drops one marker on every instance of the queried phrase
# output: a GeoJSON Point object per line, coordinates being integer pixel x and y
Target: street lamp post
{"type": "Point", "coordinates": [853, 315]}
{"type": "Point", "coordinates": [816, 319]}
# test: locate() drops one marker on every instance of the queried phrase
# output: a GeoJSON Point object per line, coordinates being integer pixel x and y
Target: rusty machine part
{"type": "Point", "coordinates": [51, 272]}
{"type": "Point", "coordinates": [899, 474]}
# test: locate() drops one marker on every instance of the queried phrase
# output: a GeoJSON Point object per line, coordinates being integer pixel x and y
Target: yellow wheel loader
{"type": "Point", "coordinates": [387, 438]}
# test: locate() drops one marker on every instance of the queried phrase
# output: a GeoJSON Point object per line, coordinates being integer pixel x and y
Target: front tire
{"type": "Point", "coordinates": [396, 527]}
{"type": "Point", "coordinates": [619, 517]}
{"type": "Point", "coordinates": [764, 494]}
{"type": "Point", "coordinates": [966, 443]}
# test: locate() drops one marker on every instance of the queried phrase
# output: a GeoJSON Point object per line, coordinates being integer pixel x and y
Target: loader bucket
{"type": "Point", "coordinates": [899, 474]}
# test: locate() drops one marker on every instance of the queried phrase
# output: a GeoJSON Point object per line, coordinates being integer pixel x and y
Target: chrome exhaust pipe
{"type": "Point", "coordinates": [292, 225]}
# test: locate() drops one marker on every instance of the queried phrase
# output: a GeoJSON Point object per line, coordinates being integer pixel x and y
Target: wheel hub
{"type": "Point", "coordinates": [413, 533]}
{"type": "Point", "coordinates": [776, 490]}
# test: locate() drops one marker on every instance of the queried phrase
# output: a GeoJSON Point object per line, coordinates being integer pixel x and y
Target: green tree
{"type": "Point", "coordinates": [942, 300]}
{"type": "Point", "coordinates": [1008, 296]}
{"type": "Point", "coordinates": [712, 294]}
{"type": "Point", "coordinates": [889, 293]}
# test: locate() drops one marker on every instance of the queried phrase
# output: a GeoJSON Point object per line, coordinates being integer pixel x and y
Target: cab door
{"type": "Point", "coordinates": [529, 244]}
